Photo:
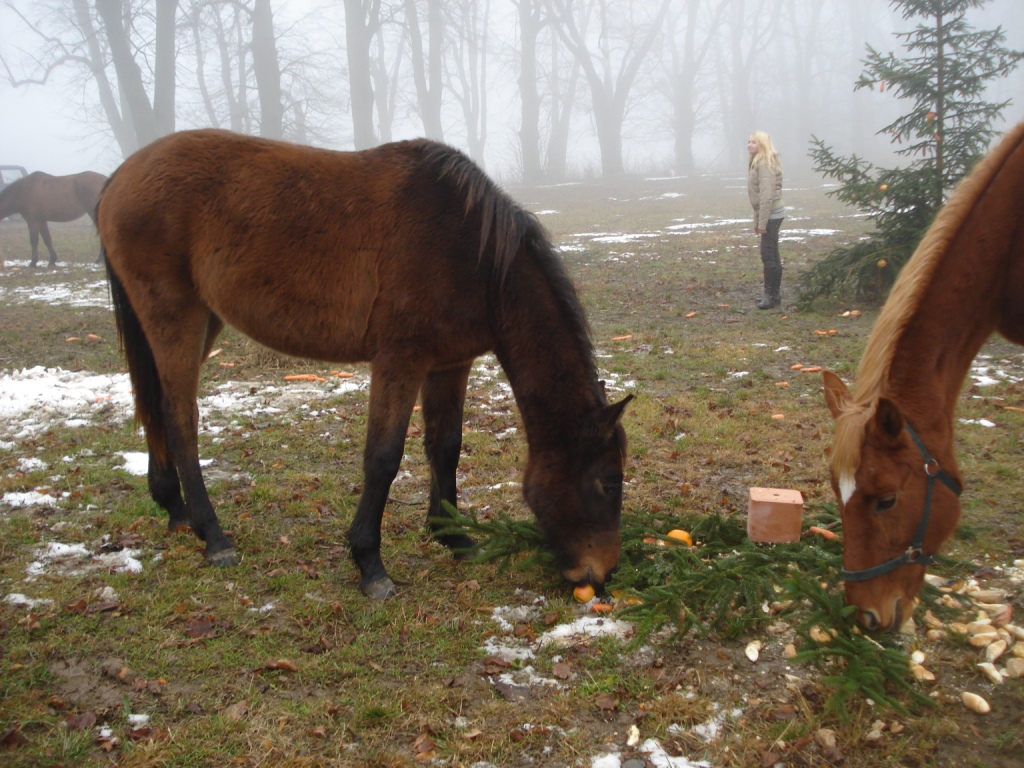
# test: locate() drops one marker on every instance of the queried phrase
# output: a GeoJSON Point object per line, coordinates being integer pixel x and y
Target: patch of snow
{"type": "Point", "coordinates": [76, 559]}
{"type": "Point", "coordinates": [655, 754]}
{"type": "Point", "coordinates": [981, 422]}
{"type": "Point", "coordinates": [28, 499]}
{"type": "Point", "coordinates": [585, 626]}
{"type": "Point", "coordinates": [19, 600]}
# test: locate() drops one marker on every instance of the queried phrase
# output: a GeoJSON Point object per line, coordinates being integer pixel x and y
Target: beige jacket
{"type": "Point", "coordinates": [764, 188]}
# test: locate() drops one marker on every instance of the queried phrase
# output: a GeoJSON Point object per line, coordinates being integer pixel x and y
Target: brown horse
{"type": "Point", "coordinates": [892, 464]}
{"type": "Point", "coordinates": [40, 197]}
{"type": "Point", "coordinates": [406, 256]}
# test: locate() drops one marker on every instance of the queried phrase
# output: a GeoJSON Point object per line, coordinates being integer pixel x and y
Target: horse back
{"type": "Point", "coordinates": [352, 252]}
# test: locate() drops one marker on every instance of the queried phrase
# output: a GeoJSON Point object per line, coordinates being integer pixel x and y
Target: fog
{"type": "Point", "coordinates": [618, 86]}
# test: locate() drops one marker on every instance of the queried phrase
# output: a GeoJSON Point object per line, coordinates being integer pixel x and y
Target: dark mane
{"type": "Point", "coordinates": [509, 228]}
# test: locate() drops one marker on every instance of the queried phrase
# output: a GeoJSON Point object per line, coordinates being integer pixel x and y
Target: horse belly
{"type": "Point", "coordinates": [311, 307]}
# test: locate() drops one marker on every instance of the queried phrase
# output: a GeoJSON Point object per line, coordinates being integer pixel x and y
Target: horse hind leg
{"type": "Point", "coordinates": [165, 378]}
{"type": "Point", "coordinates": [164, 483]}
{"type": "Point", "coordinates": [443, 398]}
{"type": "Point", "coordinates": [33, 239]}
{"type": "Point", "coordinates": [44, 230]}
{"type": "Point", "coordinates": [178, 363]}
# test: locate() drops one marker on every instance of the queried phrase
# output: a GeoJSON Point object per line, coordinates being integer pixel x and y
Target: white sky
{"type": "Point", "coordinates": [38, 132]}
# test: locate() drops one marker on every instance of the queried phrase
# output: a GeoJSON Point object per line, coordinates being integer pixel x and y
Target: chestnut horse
{"type": "Point", "coordinates": [406, 256]}
{"type": "Point", "coordinates": [892, 463]}
{"type": "Point", "coordinates": [40, 197]}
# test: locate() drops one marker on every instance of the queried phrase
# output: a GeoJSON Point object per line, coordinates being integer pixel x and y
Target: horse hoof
{"type": "Point", "coordinates": [381, 589]}
{"type": "Point", "coordinates": [461, 546]}
{"type": "Point", "coordinates": [226, 558]}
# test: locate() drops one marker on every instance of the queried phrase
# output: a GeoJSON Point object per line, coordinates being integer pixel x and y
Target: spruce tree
{"type": "Point", "coordinates": [943, 70]}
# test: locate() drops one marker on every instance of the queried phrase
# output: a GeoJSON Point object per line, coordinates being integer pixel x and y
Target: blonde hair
{"type": "Point", "coordinates": [766, 153]}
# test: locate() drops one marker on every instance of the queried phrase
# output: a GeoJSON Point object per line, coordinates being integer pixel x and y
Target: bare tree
{"type": "Point", "coordinates": [362, 22]}
{"type": "Point", "coordinates": [562, 80]}
{"type": "Point", "coordinates": [610, 59]}
{"type": "Point", "coordinates": [385, 65]}
{"type": "Point", "coordinates": [148, 120]}
{"type": "Point", "coordinates": [690, 39]}
{"type": "Point", "coordinates": [427, 65]}
{"type": "Point", "coordinates": [531, 20]}
{"type": "Point", "coordinates": [752, 29]}
{"type": "Point", "coordinates": [267, 71]}
{"type": "Point", "coordinates": [466, 67]}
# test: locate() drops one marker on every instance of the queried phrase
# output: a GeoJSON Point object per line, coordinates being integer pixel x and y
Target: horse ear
{"type": "Point", "coordinates": [609, 415]}
{"type": "Point", "coordinates": [837, 394]}
{"type": "Point", "coordinates": [888, 418]}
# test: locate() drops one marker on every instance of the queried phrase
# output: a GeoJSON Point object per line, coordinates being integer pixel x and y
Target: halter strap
{"type": "Point", "coordinates": [915, 552]}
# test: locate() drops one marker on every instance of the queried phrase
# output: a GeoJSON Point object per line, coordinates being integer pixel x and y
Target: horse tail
{"type": "Point", "coordinates": [142, 369]}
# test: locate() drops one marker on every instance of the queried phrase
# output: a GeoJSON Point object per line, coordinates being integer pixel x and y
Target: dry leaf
{"type": "Point", "coordinates": [81, 722]}
{"type": "Point", "coordinates": [236, 711]}
{"type": "Point", "coordinates": [283, 665]}
{"type": "Point", "coordinates": [200, 627]}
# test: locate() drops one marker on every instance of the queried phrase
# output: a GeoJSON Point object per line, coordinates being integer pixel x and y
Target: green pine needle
{"type": "Point", "coordinates": [723, 584]}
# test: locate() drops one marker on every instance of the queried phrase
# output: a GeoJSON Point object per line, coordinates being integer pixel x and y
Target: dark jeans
{"type": "Point", "coordinates": [770, 245]}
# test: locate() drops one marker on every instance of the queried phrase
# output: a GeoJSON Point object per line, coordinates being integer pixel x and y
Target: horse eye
{"type": "Point", "coordinates": [611, 487]}
{"type": "Point", "coordinates": [885, 503]}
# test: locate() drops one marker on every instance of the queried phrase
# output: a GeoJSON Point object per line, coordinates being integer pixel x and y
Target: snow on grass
{"type": "Point", "coordinates": [56, 558]}
{"type": "Point", "coordinates": [18, 499]}
{"type": "Point", "coordinates": [33, 400]}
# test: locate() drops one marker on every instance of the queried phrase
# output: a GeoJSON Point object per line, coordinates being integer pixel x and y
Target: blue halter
{"type": "Point", "coordinates": [915, 552]}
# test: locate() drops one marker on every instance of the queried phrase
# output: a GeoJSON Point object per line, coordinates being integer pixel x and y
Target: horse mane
{"type": "Point", "coordinates": [509, 228]}
{"type": "Point", "coordinates": [908, 291]}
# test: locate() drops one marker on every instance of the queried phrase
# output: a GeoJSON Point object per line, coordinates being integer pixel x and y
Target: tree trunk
{"type": "Point", "coordinates": [609, 91]}
{"type": "Point", "coordinates": [267, 71]}
{"type": "Point", "coordinates": [359, 34]}
{"type": "Point", "coordinates": [129, 76]}
{"type": "Point", "coordinates": [124, 134]}
{"type": "Point", "coordinates": [164, 67]}
{"type": "Point", "coordinates": [427, 68]}
{"type": "Point", "coordinates": [529, 129]}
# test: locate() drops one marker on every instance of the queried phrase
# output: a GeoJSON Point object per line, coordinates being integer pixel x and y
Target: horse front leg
{"type": "Point", "coordinates": [392, 396]}
{"type": "Point", "coordinates": [443, 398]}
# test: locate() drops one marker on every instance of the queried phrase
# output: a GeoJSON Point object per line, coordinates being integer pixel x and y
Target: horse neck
{"type": "Point", "coordinates": [543, 347]}
{"type": "Point", "coordinates": [959, 305]}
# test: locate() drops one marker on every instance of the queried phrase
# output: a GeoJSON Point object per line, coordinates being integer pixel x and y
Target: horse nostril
{"type": "Point", "coordinates": [897, 621]}
{"type": "Point", "coordinates": [869, 620]}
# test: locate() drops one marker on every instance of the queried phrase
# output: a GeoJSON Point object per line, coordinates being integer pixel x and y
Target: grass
{"type": "Point", "coordinates": [323, 677]}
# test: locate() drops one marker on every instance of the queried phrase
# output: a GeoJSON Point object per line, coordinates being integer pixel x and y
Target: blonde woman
{"type": "Point", "coordinates": [764, 187]}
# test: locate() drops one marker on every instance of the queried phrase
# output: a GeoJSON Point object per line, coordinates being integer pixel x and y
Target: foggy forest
{"type": "Point", "coordinates": [536, 91]}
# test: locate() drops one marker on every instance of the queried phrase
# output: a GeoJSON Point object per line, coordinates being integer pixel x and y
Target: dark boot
{"type": "Point", "coordinates": [772, 288]}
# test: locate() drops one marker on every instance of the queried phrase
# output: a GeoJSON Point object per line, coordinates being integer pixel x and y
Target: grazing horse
{"type": "Point", "coordinates": [40, 197]}
{"type": "Point", "coordinates": [406, 256]}
{"type": "Point", "coordinates": [892, 463]}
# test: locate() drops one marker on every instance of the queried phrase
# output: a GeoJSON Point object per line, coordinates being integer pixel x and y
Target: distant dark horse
{"type": "Point", "coordinates": [406, 256]}
{"type": "Point", "coordinates": [40, 197]}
